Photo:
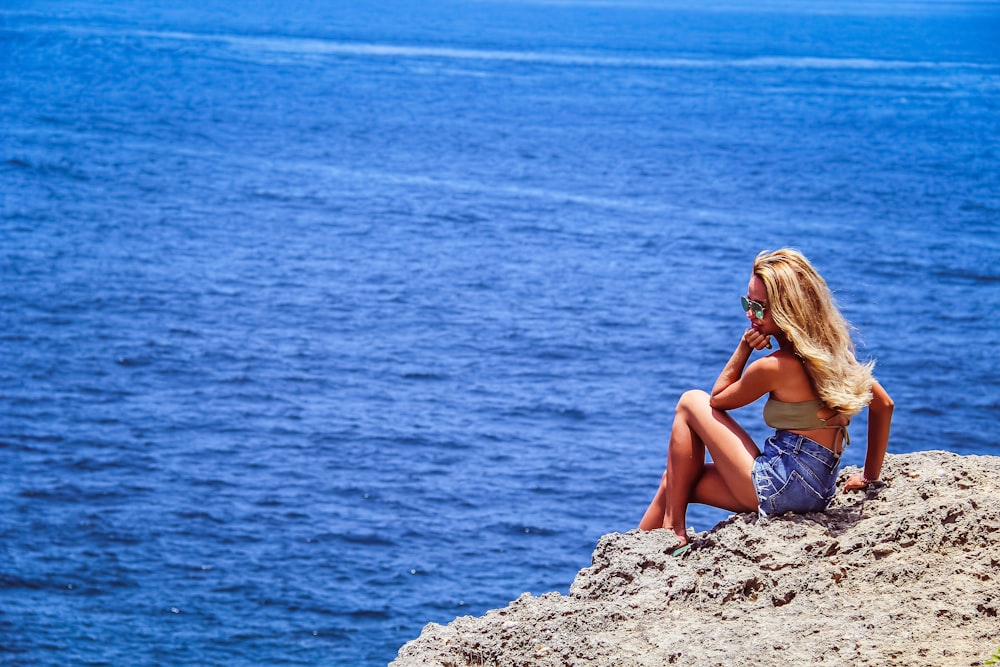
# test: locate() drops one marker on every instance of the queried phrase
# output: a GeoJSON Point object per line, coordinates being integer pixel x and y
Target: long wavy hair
{"type": "Point", "coordinates": [804, 309]}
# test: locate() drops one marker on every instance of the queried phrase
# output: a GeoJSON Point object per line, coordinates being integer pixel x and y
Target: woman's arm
{"type": "Point", "coordinates": [733, 369]}
{"type": "Point", "coordinates": [734, 388]}
{"type": "Point", "coordinates": [879, 420]}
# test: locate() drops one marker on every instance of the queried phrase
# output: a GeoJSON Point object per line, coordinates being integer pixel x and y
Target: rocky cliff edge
{"type": "Point", "coordinates": [907, 572]}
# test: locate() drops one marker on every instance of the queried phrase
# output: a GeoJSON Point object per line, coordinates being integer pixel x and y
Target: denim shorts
{"type": "Point", "coordinates": [794, 474]}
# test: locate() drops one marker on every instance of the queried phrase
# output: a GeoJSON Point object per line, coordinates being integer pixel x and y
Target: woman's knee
{"type": "Point", "coordinates": [691, 400]}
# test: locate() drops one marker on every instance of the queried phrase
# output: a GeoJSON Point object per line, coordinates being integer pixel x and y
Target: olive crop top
{"type": "Point", "coordinates": [801, 416]}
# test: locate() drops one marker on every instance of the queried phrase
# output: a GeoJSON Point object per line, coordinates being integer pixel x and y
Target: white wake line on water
{"type": "Point", "coordinates": [391, 178]}
{"type": "Point", "coordinates": [481, 187]}
{"type": "Point", "coordinates": [310, 46]}
{"type": "Point", "coordinates": [342, 174]}
{"type": "Point", "coordinates": [313, 46]}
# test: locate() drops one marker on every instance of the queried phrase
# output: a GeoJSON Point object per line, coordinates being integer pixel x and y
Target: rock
{"type": "Point", "coordinates": [907, 572]}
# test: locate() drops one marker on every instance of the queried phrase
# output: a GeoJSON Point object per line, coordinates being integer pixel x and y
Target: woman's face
{"type": "Point", "coordinates": [757, 292]}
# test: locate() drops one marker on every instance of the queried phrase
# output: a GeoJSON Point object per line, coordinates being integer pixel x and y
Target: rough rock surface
{"type": "Point", "coordinates": [905, 573]}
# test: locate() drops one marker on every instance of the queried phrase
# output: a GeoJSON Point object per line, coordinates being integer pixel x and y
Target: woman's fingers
{"type": "Point", "coordinates": [756, 340]}
{"type": "Point", "coordinates": [854, 482]}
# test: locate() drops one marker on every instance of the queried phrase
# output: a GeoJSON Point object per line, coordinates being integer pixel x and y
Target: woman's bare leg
{"type": "Point", "coordinates": [653, 518]}
{"type": "Point", "coordinates": [711, 490]}
{"type": "Point", "coordinates": [726, 483]}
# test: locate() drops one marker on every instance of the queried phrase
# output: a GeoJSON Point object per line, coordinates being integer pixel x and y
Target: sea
{"type": "Point", "coordinates": [322, 321]}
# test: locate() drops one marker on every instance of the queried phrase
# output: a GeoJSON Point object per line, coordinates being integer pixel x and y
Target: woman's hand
{"type": "Point", "coordinates": [855, 482]}
{"type": "Point", "coordinates": [756, 339]}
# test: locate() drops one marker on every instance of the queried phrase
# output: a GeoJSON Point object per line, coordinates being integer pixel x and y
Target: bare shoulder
{"type": "Point", "coordinates": [782, 360]}
{"type": "Point", "coordinates": [880, 398]}
{"type": "Point", "coordinates": [775, 370]}
{"type": "Point", "coordinates": [792, 381]}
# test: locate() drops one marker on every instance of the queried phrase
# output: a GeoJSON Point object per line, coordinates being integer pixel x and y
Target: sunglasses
{"type": "Point", "coordinates": [756, 308]}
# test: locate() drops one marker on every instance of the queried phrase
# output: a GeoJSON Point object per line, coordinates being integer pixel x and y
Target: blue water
{"type": "Point", "coordinates": [323, 322]}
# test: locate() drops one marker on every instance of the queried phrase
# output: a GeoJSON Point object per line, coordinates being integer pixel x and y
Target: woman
{"type": "Point", "coordinates": [815, 385]}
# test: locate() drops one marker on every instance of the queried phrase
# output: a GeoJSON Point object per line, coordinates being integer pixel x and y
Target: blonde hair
{"type": "Point", "coordinates": [803, 307]}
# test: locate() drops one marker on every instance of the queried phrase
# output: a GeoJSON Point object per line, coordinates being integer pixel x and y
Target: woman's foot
{"type": "Point", "coordinates": [681, 537]}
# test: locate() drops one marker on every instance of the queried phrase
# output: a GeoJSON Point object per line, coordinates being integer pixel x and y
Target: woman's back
{"type": "Point", "coordinates": [795, 392]}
